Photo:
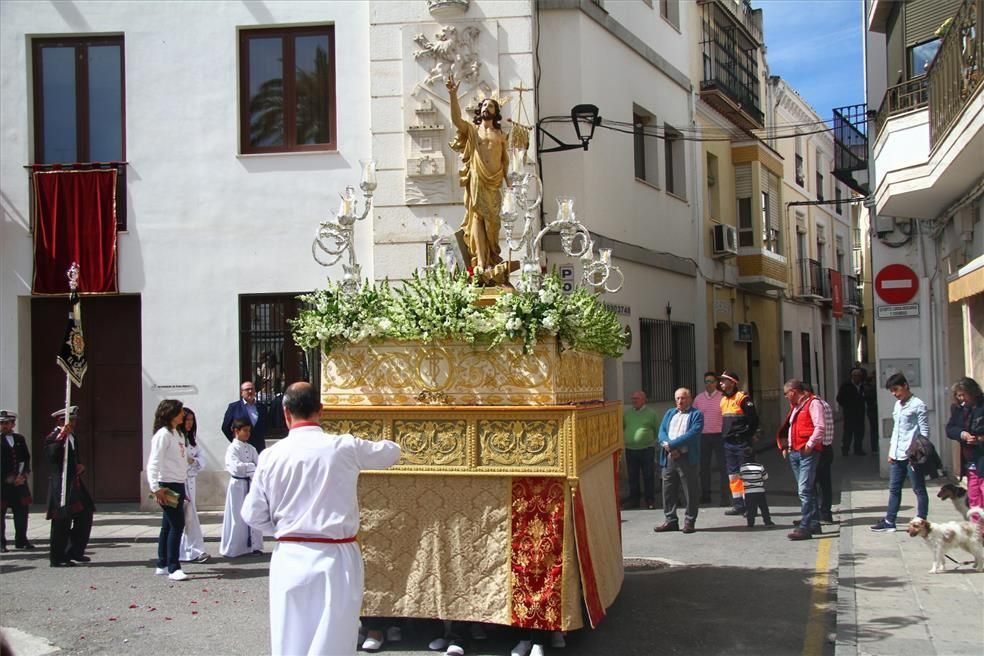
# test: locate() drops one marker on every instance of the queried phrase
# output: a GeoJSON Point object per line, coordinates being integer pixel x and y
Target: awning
{"type": "Point", "coordinates": [968, 281]}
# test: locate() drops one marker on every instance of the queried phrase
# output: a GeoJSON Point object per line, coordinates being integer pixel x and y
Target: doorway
{"type": "Point", "coordinates": [110, 399]}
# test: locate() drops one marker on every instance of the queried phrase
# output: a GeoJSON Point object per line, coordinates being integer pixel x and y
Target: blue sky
{"type": "Point", "coordinates": [815, 45]}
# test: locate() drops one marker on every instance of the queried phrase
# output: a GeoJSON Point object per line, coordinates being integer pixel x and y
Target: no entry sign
{"type": "Point", "coordinates": [896, 283]}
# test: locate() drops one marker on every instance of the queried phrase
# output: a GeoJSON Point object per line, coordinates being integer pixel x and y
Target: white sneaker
{"type": "Point", "coordinates": [177, 575]}
{"type": "Point", "coordinates": [455, 650]}
{"type": "Point", "coordinates": [372, 644]}
{"type": "Point", "coordinates": [394, 634]}
{"type": "Point", "coordinates": [557, 640]}
{"type": "Point", "coordinates": [537, 650]}
{"type": "Point", "coordinates": [438, 644]}
{"type": "Point", "coordinates": [160, 571]}
{"type": "Point", "coordinates": [522, 648]}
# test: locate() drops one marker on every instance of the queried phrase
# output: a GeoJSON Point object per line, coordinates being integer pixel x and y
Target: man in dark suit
{"type": "Point", "coordinates": [15, 465]}
{"type": "Point", "coordinates": [71, 523]}
{"type": "Point", "coordinates": [851, 398]}
{"type": "Point", "coordinates": [247, 408]}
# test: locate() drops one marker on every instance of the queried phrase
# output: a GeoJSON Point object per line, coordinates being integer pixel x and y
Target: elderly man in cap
{"type": "Point", "coordinates": [739, 421]}
{"type": "Point", "coordinates": [71, 522]}
{"type": "Point", "coordinates": [15, 465]}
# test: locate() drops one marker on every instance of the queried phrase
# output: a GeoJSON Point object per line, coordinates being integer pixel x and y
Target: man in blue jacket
{"type": "Point", "coordinates": [679, 458]}
{"type": "Point", "coordinates": [255, 413]}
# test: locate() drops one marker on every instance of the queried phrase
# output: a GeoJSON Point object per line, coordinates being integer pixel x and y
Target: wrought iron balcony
{"type": "Point", "coordinates": [954, 76]}
{"type": "Point", "coordinates": [851, 147]}
{"type": "Point", "coordinates": [750, 19]}
{"type": "Point", "coordinates": [906, 97]}
{"type": "Point", "coordinates": [812, 281]}
{"type": "Point", "coordinates": [729, 52]}
{"type": "Point", "coordinates": [852, 292]}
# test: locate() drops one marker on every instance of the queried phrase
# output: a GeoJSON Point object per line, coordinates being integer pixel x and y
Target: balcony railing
{"type": "Point", "coordinates": [852, 292]}
{"type": "Point", "coordinates": [750, 18]}
{"type": "Point", "coordinates": [910, 95]}
{"type": "Point", "coordinates": [812, 281]}
{"type": "Point", "coordinates": [730, 81]}
{"type": "Point", "coordinates": [955, 74]}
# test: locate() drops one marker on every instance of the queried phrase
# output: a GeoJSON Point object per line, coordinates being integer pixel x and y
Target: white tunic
{"type": "Point", "coordinates": [192, 540]}
{"type": "Point", "coordinates": [238, 537]}
{"type": "Point", "coordinates": [305, 485]}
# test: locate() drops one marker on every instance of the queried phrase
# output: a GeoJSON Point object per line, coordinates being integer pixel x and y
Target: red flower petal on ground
{"type": "Point", "coordinates": [194, 602]}
{"type": "Point", "coordinates": [92, 587]}
{"type": "Point", "coordinates": [112, 619]}
{"type": "Point", "coordinates": [167, 618]}
{"type": "Point", "coordinates": [194, 612]}
{"type": "Point", "coordinates": [132, 606]}
{"type": "Point", "coordinates": [150, 608]}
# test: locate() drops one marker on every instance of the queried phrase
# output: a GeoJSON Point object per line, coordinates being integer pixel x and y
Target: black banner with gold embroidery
{"type": "Point", "coordinates": [72, 358]}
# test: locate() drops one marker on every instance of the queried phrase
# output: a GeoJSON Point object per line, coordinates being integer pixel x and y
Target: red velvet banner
{"type": "Point", "coordinates": [537, 552]}
{"type": "Point", "coordinates": [76, 222]}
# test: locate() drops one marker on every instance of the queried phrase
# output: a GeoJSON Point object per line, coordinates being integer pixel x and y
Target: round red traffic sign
{"type": "Point", "coordinates": [896, 283]}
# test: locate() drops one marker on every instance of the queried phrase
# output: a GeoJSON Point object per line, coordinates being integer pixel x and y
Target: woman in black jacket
{"type": "Point", "coordinates": [966, 426]}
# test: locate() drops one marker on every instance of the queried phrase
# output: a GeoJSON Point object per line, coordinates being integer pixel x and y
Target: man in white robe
{"type": "Point", "coordinates": [238, 537]}
{"type": "Point", "coordinates": [304, 493]}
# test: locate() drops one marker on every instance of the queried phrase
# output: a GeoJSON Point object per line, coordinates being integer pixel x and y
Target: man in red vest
{"type": "Point", "coordinates": [800, 439]}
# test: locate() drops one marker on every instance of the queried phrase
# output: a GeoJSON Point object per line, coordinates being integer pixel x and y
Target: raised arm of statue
{"type": "Point", "coordinates": [456, 118]}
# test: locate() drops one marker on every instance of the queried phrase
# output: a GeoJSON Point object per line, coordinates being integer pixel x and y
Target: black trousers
{"type": "Point", "coordinates": [873, 430]}
{"type": "Point", "coordinates": [825, 487]}
{"type": "Point", "coordinates": [642, 463]}
{"type": "Point", "coordinates": [757, 501]}
{"type": "Point", "coordinates": [853, 433]}
{"type": "Point", "coordinates": [20, 525]}
{"type": "Point", "coordinates": [711, 444]}
{"type": "Point", "coordinates": [70, 536]}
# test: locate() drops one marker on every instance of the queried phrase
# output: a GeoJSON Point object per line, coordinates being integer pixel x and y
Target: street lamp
{"type": "Point", "coordinates": [584, 114]}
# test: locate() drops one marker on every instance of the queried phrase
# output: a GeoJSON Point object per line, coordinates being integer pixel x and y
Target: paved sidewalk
{"type": "Point", "coordinates": [887, 602]}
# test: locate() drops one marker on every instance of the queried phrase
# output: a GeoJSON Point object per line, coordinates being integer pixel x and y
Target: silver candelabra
{"type": "Point", "coordinates": [335, 239]}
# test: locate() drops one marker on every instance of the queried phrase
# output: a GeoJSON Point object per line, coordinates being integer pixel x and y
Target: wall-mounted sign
{"type": "Point", "coordinates": [743, 332]}
{"type": "Point", "coordinates": [620, 310]}
{"type": "Point", "coordinates": [176, 389]}
{"type": "Point", "coordinates": [566, 273]}
{"type": "Point", "coordinates": [897, 311]}
{"type": "Point", "coordinates": [896, 284]}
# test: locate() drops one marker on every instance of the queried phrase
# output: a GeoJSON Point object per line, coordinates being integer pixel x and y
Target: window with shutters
{"type": "Point", "coordinates": [675, 165]}
{"type": "Point", "coordinates": [770, 212]}
{"type": "Point", "coordinates": [645, 146]}
{"type": "Point", "coordinates": [743, 192]}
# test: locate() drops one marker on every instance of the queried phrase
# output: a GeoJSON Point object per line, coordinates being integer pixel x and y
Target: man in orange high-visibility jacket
{"type": "Point", "coordinates": [739, 421]}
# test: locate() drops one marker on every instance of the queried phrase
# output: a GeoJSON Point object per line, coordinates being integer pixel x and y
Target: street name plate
{"type": "Point", "coordinates": [898, 311]}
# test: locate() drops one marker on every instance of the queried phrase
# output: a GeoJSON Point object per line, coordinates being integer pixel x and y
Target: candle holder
{"type": "Point", "coordinates": [337, 238]}
{"type": "Point", "coordinates": [523, 196]}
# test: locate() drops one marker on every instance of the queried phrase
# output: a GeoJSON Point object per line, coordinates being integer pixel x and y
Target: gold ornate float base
{"type": "Point", "coordinates": [506, 515]}
{"type": "Point", "coordinates": [454, 373]}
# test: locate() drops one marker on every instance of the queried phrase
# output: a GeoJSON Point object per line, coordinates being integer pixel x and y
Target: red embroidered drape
{"type": "Point", "coordinates": [76, 222]}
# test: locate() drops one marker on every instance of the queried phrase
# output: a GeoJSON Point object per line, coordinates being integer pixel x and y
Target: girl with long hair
{"type": "Point", "coordinates": [167, 471]}
{"type": "Point", "coordinates": [966, 427]}
{"type": "Point", "coordinates": [192, 540]}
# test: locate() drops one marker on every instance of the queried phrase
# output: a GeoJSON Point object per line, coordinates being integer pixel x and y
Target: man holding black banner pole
{"type": "Point", "coordinates": [70, 507]}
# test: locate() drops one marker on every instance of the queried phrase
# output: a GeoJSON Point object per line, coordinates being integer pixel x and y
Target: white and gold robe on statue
{"type": "Point", "coordinates": [305, 486]}
{"type": "Point", "coordinates": [238, 537]}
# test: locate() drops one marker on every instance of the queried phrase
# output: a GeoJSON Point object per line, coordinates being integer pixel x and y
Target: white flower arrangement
{"type": "Point", "coordinates": [441, 305]}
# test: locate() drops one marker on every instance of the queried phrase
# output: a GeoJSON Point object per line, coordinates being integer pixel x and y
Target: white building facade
{"type": "Point", "coordinates": [926, 136]}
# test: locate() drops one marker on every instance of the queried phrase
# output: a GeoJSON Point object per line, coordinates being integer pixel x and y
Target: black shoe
{"type": "Point", "coordinates": [827, 518]}
{"type": "Point", "coordinates": [4, 549]}
{"type": "Point", "coordinates": [816, 530]}
{"type": "Point", "coordinates": [26, 545]}
{"type": "Point", "coordinates": [769, 522]}
{"type": "Point", "coordinates": [734, 511]}
{"type": "Point", "coordinates": [81, 559]}
{"type": "Point", "coordinates": [64, 563]}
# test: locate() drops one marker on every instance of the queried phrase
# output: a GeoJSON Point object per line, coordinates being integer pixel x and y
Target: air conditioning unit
{"type": "Point", "coordinates": [724, 241]}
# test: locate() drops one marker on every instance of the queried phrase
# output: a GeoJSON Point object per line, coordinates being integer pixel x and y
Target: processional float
{"type": "Point", "coordinates": [504, 506]}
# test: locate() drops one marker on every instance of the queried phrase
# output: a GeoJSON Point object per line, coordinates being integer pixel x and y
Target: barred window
{"type": "Point", "coordinates": [668, 357]}
{"type": "Point", "coordinates": [268, 355]}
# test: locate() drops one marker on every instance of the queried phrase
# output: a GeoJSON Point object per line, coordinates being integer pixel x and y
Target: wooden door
{"type": "Point", "coordinates": [109, 400]}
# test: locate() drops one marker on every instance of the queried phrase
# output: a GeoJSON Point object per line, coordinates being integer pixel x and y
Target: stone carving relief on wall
{"type": "Point", "coordinates": [469, 50]}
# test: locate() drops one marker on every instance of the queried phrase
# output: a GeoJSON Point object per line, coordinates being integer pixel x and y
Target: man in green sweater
{"type": "Point", "coordinates": [640, 425]}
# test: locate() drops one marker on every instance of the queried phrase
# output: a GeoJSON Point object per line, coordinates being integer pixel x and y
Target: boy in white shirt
{"type": "Point", "coordinates": [238, 537]}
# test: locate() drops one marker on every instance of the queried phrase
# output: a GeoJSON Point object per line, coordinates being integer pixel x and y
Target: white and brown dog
{"type": "Point", "coordinates": [944, 536]}
{"type": "Point", "coordinates": [957, 496]}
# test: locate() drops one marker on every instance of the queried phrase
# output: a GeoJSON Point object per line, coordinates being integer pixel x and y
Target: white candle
{"type": "Point", "coordinates": [565, 208]}
{"type": "Point", "coordinates": [516, 156]}
{"type": "Point", "coordinates": [369, 173]}
{"type": "Point", "coordinates": [606, 255]}
{"type": "Point", "coordinates": [436, 228]}
{"type": "Point", "coordinates": [509, 202]}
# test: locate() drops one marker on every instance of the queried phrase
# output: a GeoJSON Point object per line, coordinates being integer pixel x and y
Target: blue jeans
{"type": "Point", "coordinates": [805, 471]}
{"type": "Point", "coordinates": [172, 526]}
{"type": "Point", "coordinates": [897, 472]}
